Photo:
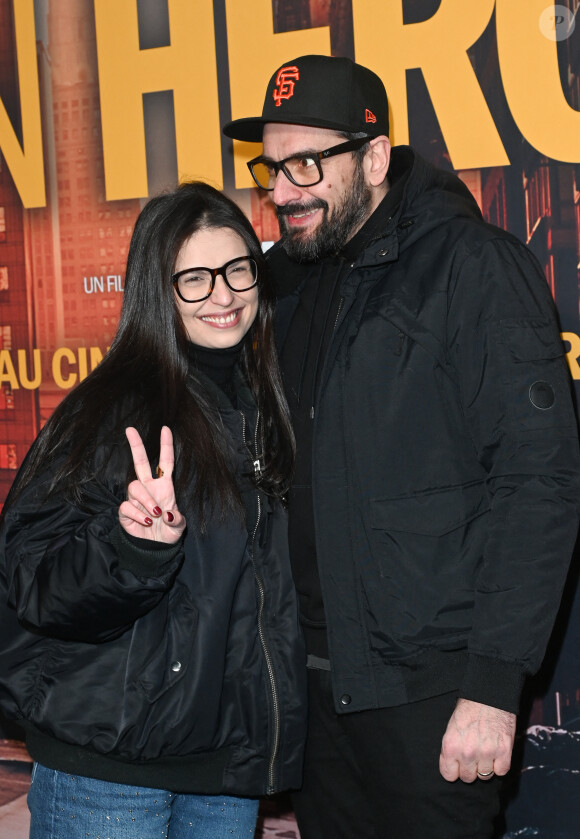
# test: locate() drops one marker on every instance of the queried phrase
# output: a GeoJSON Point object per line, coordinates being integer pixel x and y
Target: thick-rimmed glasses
{"type": "Point", "coordinates": [196, 284]}
{"type": "Point", "coordinates": [301, 169]}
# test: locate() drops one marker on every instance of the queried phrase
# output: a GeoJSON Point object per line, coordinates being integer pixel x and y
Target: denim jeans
{"type": "Point", "coordinates": [64, 806]}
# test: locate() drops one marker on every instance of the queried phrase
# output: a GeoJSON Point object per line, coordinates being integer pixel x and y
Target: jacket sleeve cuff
{"type": "Point", "coordinates": [144, 557]}
{"type": "Point", "coordinates": [493, 682]}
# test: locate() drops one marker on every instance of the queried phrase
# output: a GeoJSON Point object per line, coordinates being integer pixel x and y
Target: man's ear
{"type": "Point", "coordinates": [376, 161]}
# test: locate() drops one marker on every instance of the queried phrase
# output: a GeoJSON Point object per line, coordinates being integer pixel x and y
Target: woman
{"type": "Point", "coordinates": [151, 648]}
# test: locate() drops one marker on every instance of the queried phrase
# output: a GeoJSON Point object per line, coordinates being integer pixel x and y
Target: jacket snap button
{"type": "Point", "coordinates": [345, 699]}
{"type": "Point", "coordinates": [176, 666]}
{"type": "Point", "coordinates": [383, 252]}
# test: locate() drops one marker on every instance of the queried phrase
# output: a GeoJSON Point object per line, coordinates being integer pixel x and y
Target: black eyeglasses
{"type": "Point", "coordinates": [302, 169]}
{"type": "Point", "coordinates": [196, 284]}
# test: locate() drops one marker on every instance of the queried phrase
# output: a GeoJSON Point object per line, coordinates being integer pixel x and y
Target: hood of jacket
{"type": "Point", "coordinates": [431, 197]}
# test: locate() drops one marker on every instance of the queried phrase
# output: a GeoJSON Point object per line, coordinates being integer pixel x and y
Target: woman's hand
{"type": "Point", "coordinates": [150, 511]}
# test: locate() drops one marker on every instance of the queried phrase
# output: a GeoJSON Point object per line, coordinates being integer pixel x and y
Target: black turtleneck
{"type": "Point", "coordinates": [217, 364]}
{"type": "Point", "coordinates": [302, 360]}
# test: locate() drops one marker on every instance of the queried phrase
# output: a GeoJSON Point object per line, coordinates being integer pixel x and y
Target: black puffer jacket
{"type": "Point", "coordinates": [180, 668]}
{"type": "Point", "coordinates": [445, 466]}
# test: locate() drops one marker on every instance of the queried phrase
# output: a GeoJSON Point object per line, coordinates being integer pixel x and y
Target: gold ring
{"type": "Point", "coordinates": [159, 472]}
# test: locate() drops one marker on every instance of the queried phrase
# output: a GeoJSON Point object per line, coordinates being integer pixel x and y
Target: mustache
{"type": "Point", "coordinates": [292, 209]}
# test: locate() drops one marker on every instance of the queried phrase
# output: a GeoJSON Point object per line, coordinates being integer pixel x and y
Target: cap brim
{"type": "Point", "coordinates": [250, 129]}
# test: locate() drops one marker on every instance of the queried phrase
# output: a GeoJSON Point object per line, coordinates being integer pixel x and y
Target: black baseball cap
{"type": "Point", "coordinates": [323, 92]}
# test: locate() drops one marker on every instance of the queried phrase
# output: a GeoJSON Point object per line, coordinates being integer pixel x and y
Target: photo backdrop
{"type": "Point", "coordinates": [103, 103]}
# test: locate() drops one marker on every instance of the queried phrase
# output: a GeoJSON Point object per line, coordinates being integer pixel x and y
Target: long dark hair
{"type": "Point", "coordinates": [146, 380]}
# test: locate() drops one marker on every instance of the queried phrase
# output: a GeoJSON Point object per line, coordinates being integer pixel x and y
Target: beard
{"type": "Point", "coordinates": [334, 230]}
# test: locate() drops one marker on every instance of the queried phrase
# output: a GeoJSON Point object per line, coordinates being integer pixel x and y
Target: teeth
{"type": "Point", "coordinates": [303, 215]}
{"type": "Point", "coordinates": [221, 319]}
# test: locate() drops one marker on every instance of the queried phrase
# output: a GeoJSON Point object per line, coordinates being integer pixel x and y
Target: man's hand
{"type": "Point", "coordinates": [478, 742]}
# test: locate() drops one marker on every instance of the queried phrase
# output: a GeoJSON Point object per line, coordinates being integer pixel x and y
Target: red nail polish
{"type": "Point", "coordinates": [170, 516]}
{"type": "Point", "coordinates": [148, 521]}
{"type": "Point", "coordinates": [157, 511]}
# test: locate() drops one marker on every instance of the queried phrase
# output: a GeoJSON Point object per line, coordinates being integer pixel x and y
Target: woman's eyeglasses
{"type": "Point", "coordinates": [196, 284]}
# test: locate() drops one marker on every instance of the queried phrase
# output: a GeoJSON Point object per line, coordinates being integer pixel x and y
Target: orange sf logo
{"type": "Point", "coordinates": [285, 84]}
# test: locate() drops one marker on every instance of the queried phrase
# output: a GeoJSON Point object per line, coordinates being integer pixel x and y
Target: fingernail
{"type": "Point", "coordinates": [170, 516]}
{"type": "Point", "coordinates": [148, 521]}
{"type": "Point", "coordinates": [157, 511]}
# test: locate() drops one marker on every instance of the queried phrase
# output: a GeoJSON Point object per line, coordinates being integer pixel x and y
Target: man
{"type": "Point", "coordinates": [435, 502]}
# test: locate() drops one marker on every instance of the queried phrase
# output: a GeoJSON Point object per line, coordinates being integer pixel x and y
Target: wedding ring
{"type": "Point", "coordinates": [486, 774]}
{"type": "Point", "coordinates": [159, 472]}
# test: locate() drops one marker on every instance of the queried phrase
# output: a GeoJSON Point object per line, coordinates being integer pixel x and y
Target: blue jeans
{"type": "Point", "coordinates": [66, 806]}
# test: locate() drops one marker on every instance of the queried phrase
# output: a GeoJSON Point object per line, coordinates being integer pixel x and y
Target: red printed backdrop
{"type": "Point", "coordinates": [103, 103]}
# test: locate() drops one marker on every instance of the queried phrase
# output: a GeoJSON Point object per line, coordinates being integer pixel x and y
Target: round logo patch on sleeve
{"type": "Point", "coordinates": [542, 395]}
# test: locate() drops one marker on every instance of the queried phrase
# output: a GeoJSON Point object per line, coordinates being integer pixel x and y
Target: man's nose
{"type": "Point", "coordinates": [285, 191]}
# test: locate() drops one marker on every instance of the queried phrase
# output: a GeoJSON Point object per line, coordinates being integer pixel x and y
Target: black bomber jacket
{"type": "Point", "coordinates": [180, 668]}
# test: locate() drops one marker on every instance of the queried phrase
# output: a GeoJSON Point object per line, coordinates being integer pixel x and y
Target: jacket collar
{"type": "Point", "coordinates": [424, 197]}
{"type": "Point", "coordinates": [378, 221]}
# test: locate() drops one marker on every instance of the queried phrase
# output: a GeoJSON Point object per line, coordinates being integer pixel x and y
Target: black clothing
{"type": "Point", "coordinates": [177, 667]}
{"type": "Point", "coordinates": [445, 462]}
{"type": "Point", "coordinates": [375, 775]}
{"type": "Point", "coordinates": [217, 364]}
{"type": "Point", "coordinates": [302, 360]}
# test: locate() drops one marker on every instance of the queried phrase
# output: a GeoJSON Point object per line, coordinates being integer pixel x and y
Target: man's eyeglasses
{"type": "Point", "coordinates": [302, 169]}
{"type": "Point", "coordinates": [196, 284]}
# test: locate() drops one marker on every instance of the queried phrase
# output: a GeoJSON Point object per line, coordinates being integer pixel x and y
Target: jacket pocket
{"type": "Point", "coordinates": [426, 548]}
{"type": "Point", "coordinates": [537, 380]}
{"type": "Point", "coordinates": [169, 641]}
{"type": "Point", "coordinates": [429, 513]}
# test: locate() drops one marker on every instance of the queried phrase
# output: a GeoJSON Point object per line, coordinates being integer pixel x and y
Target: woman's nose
{"type": "Point", "coordinates": [222, 293]}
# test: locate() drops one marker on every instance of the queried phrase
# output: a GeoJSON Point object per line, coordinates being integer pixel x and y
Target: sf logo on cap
{"type": "Point", "coordinates": [285, 84]}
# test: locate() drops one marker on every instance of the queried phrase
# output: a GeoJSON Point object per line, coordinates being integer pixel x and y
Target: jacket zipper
{"type": "Point", "coordinates": [261, 634]}
{"type": "Point", "coordinates": [340, 305]}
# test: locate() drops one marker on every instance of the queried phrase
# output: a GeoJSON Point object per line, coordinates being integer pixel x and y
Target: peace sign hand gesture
{"type": "Point", "coordinates": [150, 511]}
